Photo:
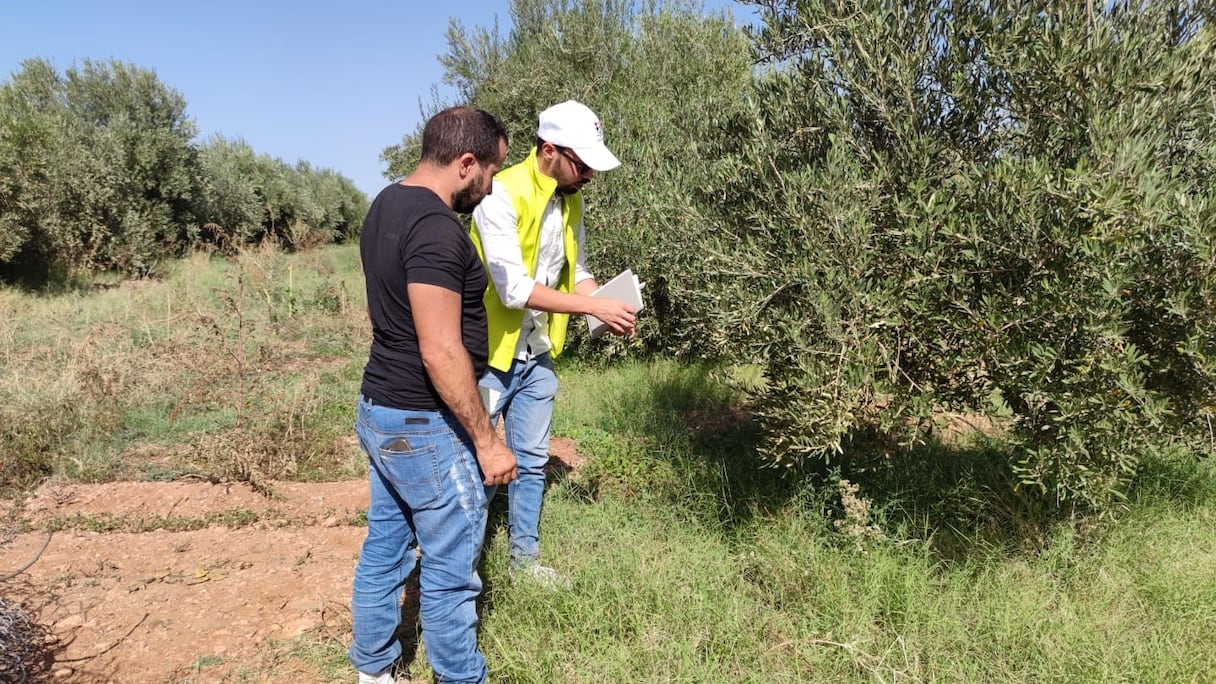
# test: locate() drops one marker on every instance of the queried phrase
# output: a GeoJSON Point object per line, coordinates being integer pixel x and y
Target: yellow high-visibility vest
{"type": "Point", "coordinates": [530, 190]}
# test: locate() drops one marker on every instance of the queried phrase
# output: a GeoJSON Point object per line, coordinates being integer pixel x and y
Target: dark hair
{"type": "Point", "coordinates": [539, 142]}
{"type": "Point", "coordinates": [457, 130]}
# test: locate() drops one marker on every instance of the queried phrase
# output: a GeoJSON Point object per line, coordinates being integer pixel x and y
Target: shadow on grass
{"type": "Point", "coordinates": [684, 436]}
{"type": "Point", "coordinates": [962, 500]}
{"type": "Point", "coordinates": [690, 440]}
{"type": "Point", "coordinates": [37, 277]}
{"type": "Point", "coordinates": [965, 499]}
{"type": "Point", "coordinates": [1178, 480]}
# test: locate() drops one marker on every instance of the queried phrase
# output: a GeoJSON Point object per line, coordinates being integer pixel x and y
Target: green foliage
{"type": "Point", "coordinates": [97, 166]}
{"type": "Point", "coordinates": [662, 77]}
{"type": "Point", "coordinates": [229, 207]}
{"type": "Point", "coordinates": [235, 518]}
{"type": "Point", "coordinates": [995, 208]}
{"type": "Point", "coordinates": [999, 209]}
{"type": "Point", "coordinates": [709, 569]}
{"type": "Point", "coordinates": [99, 171]}
{"type": "Point", "coordinates": [249, 197]}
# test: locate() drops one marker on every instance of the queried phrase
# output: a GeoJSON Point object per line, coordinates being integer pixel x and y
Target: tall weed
{"type": "Point", "coordinates": [228, 367]}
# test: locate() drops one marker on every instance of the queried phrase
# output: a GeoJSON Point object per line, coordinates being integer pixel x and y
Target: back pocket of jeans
{"type": "Point", "coordinates": [414, 472]}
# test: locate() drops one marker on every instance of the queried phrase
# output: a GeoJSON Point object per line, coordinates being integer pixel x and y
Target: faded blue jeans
{"type": "Point", "coordinates": [427, 492]}
{"type": "Point", "coordinates": [526, 395]}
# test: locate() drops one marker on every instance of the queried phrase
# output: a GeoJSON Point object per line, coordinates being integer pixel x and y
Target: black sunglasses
{"type": "Point", "coordinates": [579, 167]}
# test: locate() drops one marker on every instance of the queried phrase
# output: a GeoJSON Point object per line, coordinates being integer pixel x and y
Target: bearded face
{"type": "Point", "coordinates": [467, 198]}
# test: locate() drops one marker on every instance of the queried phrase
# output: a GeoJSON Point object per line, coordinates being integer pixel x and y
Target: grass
{"type": "Point", "coordinates": [106, 522]}
{"type": "Point", "coordinates": [241, 368]}
{"type": "Point", "coordinates": [691, 560]}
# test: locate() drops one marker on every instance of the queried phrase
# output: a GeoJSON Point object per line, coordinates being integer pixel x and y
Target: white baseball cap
{"type": "Point", "coordinates": [571, 124]}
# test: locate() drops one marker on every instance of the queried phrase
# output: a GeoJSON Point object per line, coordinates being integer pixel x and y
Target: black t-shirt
{"type": "Point", "coordinates": [411, 236]}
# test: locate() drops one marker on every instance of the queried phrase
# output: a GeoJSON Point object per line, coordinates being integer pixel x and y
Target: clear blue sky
{"type": "Point", "coordinates": [333, 82]}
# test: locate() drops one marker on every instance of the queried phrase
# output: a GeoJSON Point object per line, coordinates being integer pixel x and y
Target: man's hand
{"type": "Point", "coordinates": [617, 315]}
{"type": "Point", "coordinates": [497, 462]}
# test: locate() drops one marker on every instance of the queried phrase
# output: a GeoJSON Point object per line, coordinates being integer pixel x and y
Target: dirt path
{"type": "Point", "coordinates": [197, 582]}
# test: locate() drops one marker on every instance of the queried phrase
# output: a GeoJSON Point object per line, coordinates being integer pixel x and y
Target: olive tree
{"type": "Point", "coordinates": [999, 208]}
{"type": "Point", "coordinates": [98, 165]}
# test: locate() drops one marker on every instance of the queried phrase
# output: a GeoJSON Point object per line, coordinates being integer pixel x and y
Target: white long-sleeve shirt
{"type": "Point", "coordinates": [496, 223]}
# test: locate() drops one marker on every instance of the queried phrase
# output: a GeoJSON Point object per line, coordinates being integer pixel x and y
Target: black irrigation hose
{"type": "Point", "coordinates": [33, 560]}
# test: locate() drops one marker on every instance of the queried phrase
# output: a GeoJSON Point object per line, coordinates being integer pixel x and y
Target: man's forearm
{"type": "Point", "coordinates": [437, 319]}
{"type": "Point", "coordinates": [550, 300]}
{"type": "Point", "coordinates": [451, 373]}
{"type": "Point", "coordinates": [586, 286]}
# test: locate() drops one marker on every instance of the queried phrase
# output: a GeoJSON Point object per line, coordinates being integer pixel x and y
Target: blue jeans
{"type": "Point", "coordinates": [525, 402]}
{"type": "Point", "coordinates": [427, 492]}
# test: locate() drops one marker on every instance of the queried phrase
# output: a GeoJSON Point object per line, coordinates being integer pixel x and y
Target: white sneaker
{"type": "Point", "coordinates": [385, 677]}
{"type": "Point", "coordinates": [539, 575]}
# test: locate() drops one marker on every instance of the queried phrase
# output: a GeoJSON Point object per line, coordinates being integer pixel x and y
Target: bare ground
{"type": "Point", "coordinates": [190, 581]}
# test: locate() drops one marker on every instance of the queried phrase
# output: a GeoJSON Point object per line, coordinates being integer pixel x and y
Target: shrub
{"type": "Point", "coordinates": [98, 171]}
{"type": "Point", "coordinates": [999, 208]}
{"type": "Point", "coordinates": [98, 168]}
{"type": "Point", "coordinates": [249, 197]}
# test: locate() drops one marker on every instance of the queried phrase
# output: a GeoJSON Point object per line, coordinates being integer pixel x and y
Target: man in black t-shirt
{"type": "Point", "coordinates": [431, 448]}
